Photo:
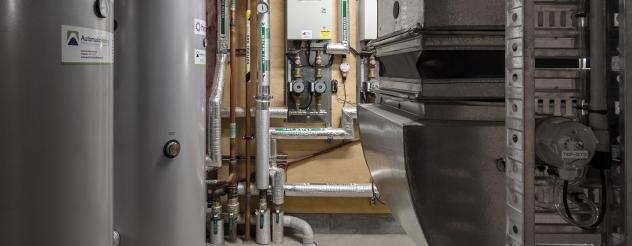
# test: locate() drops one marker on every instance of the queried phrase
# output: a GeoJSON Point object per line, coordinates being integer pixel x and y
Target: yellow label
{"type": "Point", "coordinates": [325, 34]}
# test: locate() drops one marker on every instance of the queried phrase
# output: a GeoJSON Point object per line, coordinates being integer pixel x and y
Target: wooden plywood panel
{"type": "Point", "coordinates": [345, 165]}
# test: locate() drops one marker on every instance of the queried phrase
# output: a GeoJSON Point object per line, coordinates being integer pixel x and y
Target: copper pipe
{"type": "Point", "coordinates": [248, 127]}
{"type": "Point", "coordinates": [233, 203]}
{"type": "Point", "coordinates": [233, 85]}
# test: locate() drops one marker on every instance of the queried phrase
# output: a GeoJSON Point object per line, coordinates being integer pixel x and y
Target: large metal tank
{"type": "Point", "coordinates": [159, 197]}
{"type": "Point", "coordinates": [56, 123]}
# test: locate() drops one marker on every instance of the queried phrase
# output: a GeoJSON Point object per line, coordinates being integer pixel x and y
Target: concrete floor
{"type": "Point", "coordinates": [350, 240]}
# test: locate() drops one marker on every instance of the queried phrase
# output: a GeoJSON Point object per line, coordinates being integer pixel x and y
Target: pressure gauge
{"type": "Point", "coordinates": [263, 8]}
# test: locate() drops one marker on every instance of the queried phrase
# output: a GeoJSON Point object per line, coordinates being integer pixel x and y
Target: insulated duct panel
{"type": "Point", "coordinates": [397, 15]}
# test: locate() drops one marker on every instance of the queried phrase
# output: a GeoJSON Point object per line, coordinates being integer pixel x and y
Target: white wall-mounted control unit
{"type": "Point", "coordinates": [367, 20]}
{"type": "Point", "coordinates": [309, 19]}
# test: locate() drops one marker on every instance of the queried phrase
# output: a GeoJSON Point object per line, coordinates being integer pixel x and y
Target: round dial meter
{"type": "Point", "coordinates": [263, 8]}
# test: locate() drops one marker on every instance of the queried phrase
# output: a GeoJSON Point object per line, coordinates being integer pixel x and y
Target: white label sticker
{"type": "Point", "coordinates": [200, 57]}
{"type": "Point", "coordinates": [575, 155]}
{"type": "Point", "coordinates": [199, 27]}
{"type": "Point", "coordinates": [306, 34]}
{"type": "Point", "coordinates": [80, 45]}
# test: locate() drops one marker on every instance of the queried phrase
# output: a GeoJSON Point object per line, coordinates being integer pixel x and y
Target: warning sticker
{"type": "Point", "coordinates": [199, 27]}
{"type": "Point", "coordinates": [307, 34]}
{"type": "Point", "coordinates": [80, 45]}
{"type": "Point", "coordinates": [199, 57]}
{"type": "Point", "coordinates": [325, 34]}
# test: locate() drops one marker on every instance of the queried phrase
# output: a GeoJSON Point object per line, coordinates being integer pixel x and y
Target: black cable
{"type": "Point", "coordinates": [603, 204]}
{"type": "Point", "coordinates": [604, 197]}
{"type": "Point", "coordinates": [355, 52]}
{"type": "Point", "coordinates": [311, 98]}
{"type": "Point", "coordinates": [376, 197]}
{"type": "Point", "coordinates": [344, 89]}
{"type": "Point", "coordinates": [332, 58]}
{"type": "Point", "coordinates": [565, 200]}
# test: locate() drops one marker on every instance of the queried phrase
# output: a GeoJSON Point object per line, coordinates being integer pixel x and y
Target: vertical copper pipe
{"type": "Point", "coordinates": [233, 84]}
{"type": "Point", "coordinates": [248, 130]}
{"type": "Point", "coordinates": [232, 199]}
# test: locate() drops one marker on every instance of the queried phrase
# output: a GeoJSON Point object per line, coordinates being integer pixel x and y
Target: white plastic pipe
{"type": "Point", "coordinates": [302, 227]}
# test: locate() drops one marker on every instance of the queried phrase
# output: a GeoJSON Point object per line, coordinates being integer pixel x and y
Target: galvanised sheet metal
{"type": "Point", "coordinates": [55, 126]}
{"type": "Point", "coordinates": [159, 96]}
{"type": "Point", "coordinates": [439, 173]}
{"type": "Point", "coordinates": [396, 15]}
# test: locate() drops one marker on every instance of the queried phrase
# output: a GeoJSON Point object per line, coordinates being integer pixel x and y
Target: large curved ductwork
{"type": "Point", "coordinates": [435, 132]}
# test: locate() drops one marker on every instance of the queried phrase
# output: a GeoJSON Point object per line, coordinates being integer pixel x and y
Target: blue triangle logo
{"type": "Point", "coordinates": [73, 41]}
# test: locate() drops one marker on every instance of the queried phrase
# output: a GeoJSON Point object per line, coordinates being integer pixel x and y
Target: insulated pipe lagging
{"type": "Point", "coordinates": [262, 227]}
{"type": "Point", "coordinates": [275, 112]}
{"type": "Point", "coordinates": [598, 119]}
{"type": "Point", "coordinates": [263, 146]}
{"type": "Point", "coordinates": [278, 182]}
{"type": "Point", "coordinates": [330, 190]}
{"type": "Point", "coordinates": [310, 133]}
{"type": "Point", "coordinates": [302, 227]}
{"type": "Point", "coordinates": [277, 227]}
{"type": "Point", "coordinates": [216, 236]}
{"type": "Point", "coordinates": [345, 133]}
{"type": "Point", "coordinates": [323, 190]}
{"type": "Point", "coordinates": [214, 116]}
{"type": "Point", "coordinates": [263, 102]}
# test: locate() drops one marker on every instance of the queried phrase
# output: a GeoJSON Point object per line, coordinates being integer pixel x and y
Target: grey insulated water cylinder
{"type": "Point", "coordinates": [56, 123]}
{"type": "Point", "coordinates": [159, 195]}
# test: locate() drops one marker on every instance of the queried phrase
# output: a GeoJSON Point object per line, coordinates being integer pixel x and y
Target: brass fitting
{"type": "Point", "coordinates": [319, 66]}
{"type": "Point", "coordinates": [296, 62]}
{"type": "Point", "coordinates": [372, 67]}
